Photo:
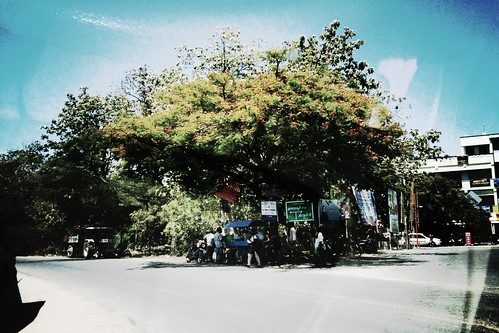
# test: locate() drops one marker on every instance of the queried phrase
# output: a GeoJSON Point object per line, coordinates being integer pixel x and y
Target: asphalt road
{"type": "Point", "coordinates": [421, 290]}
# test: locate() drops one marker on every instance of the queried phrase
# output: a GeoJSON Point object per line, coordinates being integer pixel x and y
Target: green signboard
{"type": "Point", "coordinates": [299, 211]}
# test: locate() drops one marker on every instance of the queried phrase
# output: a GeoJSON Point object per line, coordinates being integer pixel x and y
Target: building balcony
{"type": "Point", "coordinates": [457, 163]}
{"type": "Point", "coordinates": [481, 159]}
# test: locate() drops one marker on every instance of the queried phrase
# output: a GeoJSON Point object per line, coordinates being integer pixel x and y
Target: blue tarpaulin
{"type": "Point", "coordinates": [244, 224]}
{"type": "Point", "coordinates": [240, 243]}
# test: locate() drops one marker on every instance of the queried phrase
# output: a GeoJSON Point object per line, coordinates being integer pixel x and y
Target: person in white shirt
{"type": "Point", "coordinates": [210, 245]}
{"type": "Point", "coordinates": [253, 243]}
{"type": "Point", "coordinates": [319, 240]}
{"type": "Point", "coordinates": [292, 234]}
{"type": "Point", "coordinates": [292, 241]}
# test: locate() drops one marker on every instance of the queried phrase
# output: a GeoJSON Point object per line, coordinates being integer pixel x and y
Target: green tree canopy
{"type": "Point", "coordinates": [301, 133]}
{"type": "Point", "coordinates": [299, 118]}
{"type": "Point", "coordinates": [77, 170]}
{"type": "Point", "coordinates": [445, 209]}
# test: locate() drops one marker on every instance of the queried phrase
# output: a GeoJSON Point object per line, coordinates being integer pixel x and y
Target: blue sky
{"type": "Point", "coordinates": [442, 55]}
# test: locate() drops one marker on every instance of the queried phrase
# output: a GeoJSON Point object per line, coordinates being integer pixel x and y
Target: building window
{"type": "Point", "coordinates": [479, 174]}
{"type": "Point", "coordinates": [477, 150]}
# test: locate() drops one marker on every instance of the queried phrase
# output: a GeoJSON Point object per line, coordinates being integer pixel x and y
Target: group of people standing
{"type": "Point", "coordinates": [215, 244]}
{"type": "Point", "coordinates": [253, 247]}
{"type": "Point", "coordinates": [258, 246]}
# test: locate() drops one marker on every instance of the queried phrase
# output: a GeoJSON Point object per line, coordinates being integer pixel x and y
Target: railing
{"type": "Point", "coordinates": [481, 159]}
{"type": "Point", "coordinates": [454, 162]}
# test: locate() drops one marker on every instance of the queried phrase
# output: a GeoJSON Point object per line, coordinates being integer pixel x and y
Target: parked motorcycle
{"type": "Point", "coordinates": [327, 252]}
{"type": "Point", "coordinates": [368, 245]}
{"type": "Point", "coordinates": [198, 252]}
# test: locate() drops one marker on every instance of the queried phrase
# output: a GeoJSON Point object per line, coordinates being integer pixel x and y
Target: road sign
{"type": "Point", "coordinates": [299, 211]}
{"type": "Point", "coordinates": [269, 211]}
{"type": "Point", "coordinates": [269, 208]}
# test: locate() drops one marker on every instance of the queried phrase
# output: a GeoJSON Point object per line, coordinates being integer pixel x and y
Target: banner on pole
{"type": "Point", "coordinates": [367, 206]}
{"type": "Point", "coordinates": [393, 210]}
{"type": "Point", "coordinates": [329, 213]}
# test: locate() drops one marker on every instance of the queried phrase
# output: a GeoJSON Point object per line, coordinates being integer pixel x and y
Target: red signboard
{"type": "Point", "coordinates": [229, 192]}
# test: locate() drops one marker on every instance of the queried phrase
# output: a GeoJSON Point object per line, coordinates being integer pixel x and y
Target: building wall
{"type": "Point", "coordinates": [478, 169]}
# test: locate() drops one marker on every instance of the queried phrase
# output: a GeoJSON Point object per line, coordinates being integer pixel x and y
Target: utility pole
{"type": "Point", "coordinates": [404, 220]}
{"type": "Point", "coordinates": [412, 213]}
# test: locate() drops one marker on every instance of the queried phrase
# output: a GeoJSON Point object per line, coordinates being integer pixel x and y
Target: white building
{"type": "Point", "coordinates": [476, 171]}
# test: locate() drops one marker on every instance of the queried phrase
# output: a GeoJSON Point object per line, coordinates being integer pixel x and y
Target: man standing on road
{"type": "Point", "coordinates": [210, 245]}
{"type": "Point", "coordinates": [319, 248]}
{"type": "Point", "coordinates": [253, 244]}
{"type": "Point", "coordinates": [219, 245]}
{"type": "Point", "coordinates": [292, 241]}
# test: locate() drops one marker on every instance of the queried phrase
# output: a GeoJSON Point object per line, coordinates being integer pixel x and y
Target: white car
{"type": "Point", "coordinates": [423, 240]}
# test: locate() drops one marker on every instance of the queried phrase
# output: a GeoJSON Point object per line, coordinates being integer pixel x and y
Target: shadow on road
{"type": "Point", "coordinates": [42, 260]}
{"type": "Point", "coordinates": [486, 317]}
{"type": "Point", "coordinates": [163, 264]}
{"type": "Point", "coordinates": [380, 260]}
{"type": "Point", "coordinates": [374, 260]}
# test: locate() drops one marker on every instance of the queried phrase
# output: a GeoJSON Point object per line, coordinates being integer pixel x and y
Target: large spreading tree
{"type": "Point", "coordinates": [299, 119]}
{"type": "Point", "coordinates": [291, 122]}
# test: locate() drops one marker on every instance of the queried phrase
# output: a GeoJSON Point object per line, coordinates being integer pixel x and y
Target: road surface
{"type": "Point", "coordinates": [450, 289]}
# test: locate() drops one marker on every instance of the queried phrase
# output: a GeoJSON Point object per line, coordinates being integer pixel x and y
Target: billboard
{"type": "Point", "coordinates": [229, 192]}
{"type": "Point", "coordinates": [299, 211]}
{"type": "Point", "coordinates": [329, 213]}
{"type": "Point", "coordinates": [367, 206]}
{"type": "Point", "coordinates": [393, 210]}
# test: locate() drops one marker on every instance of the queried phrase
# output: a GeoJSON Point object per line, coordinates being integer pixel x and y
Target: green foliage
{"type": "Point", "coordinates": [333, 55]}
{"type": "Point", "coordinates": [147, 199]}
{"type": "Point", "coordinates": [298, 132]}
{"type": "Point", "coordinates": [50, 224]}
{"type": "Point", "coordinates": [76, 135]}
{"type": "Point", "coordinates": [443, 204]}
{"type": "Point", "coordinates": [188, 219]}
{"type": "Point", "coordinates": [19, 188]}
{"type": "Point", "coordinates": [69, 182]}
{"type": "Point", "coordinates": [301, 119]}
{"type": "Point", "coordinates": [225, 55]}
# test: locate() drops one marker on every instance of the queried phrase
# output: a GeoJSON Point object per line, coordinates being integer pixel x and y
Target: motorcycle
{"type": "Point", "coordinates": [368, 245]}
{"type": "Point", "coordinates": [327, 252]}
{"type": "Point", "coordinates": [198, 252]}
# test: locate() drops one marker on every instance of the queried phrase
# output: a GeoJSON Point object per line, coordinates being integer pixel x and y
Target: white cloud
{"type": "Point", "coordinates": [399, 74]}
{"type": "Point", "coordinates": [423, 109]}
{"type": "Point", "coordinates": [105, 22]}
